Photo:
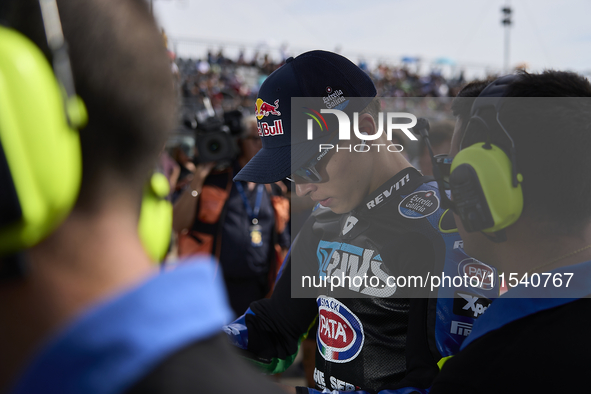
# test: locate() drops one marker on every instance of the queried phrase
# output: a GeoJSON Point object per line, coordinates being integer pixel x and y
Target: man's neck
{"type": "Point", "coordinates": [86, 260]}
{"type": "Point", "coordinates": [386, 165]}
{"type": "Point", "coordinates": [529, 250]}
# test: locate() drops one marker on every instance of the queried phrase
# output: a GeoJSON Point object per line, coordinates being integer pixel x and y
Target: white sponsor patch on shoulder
{"type": "Point", "coordinates": [419, 204]}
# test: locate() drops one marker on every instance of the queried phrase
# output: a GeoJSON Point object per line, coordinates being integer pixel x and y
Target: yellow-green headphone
{"type": "Point", "coordinates": [40, 160]}
{"type": "Point", "coordinates": [40, 156]}
{"type": "Point", "coordinates": [484, 181]}
{"type": "Point", "coordinates": [155, 226]}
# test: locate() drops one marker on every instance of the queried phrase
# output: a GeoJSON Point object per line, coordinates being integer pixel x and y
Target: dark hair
{"type": "Point", "coordinates": [373, 108]}
{"type": "Point", "coordinates": [122, 73]}
{"type": "Point", "coordinates": [462, 104]}
{"type": "Point", "coordinates": [550, 83]}
{"type": "Point", "coordinates": [473, 89]}
{"type": "Point", "coordinates": [548, 116]}
{"type": "Point", "coordinates": [553, 137]}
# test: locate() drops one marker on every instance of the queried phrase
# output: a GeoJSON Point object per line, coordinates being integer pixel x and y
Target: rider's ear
{"type": "Point", "coordinates": [367, 124]}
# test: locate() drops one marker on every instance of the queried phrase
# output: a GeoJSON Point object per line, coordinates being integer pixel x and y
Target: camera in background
{"type": "Point", "coordinates": [206, 138]}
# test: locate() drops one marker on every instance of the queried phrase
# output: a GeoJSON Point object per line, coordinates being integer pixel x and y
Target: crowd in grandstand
{"type": "Point", "coordinates": [234, 82]}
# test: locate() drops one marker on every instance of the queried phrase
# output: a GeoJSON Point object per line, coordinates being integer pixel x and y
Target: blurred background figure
{"type": "Point", "coordinates": [170, 168]}
{"type": "Point", "coordinates": [243, 224]}
{"type": "Point", "coordinates": [182, 153]}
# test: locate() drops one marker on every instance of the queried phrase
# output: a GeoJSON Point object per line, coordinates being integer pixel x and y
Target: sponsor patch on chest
{"type": "Point", "coordinates": [340, 334]}
{"type": "Point", "coordinates": [351, 267]}
{"type": "Point", "coordinates": [484, 275]}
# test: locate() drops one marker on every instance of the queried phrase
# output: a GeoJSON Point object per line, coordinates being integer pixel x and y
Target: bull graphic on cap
{"type": "Point", "coordinates": [264, 109]}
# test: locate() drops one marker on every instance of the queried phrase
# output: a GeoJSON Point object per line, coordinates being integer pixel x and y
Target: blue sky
{"type": "Point", "coordinates": [545, 33]}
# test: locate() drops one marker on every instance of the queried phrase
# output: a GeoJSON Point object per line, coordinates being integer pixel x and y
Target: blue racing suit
{"type": "Point", "coordinates": [379, 335]}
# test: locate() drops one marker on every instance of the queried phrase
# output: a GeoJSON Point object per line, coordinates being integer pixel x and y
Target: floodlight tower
{"type": "Point", "coordinates": [506, 21]}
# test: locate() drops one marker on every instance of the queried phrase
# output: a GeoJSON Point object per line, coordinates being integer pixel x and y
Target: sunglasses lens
{"type": "Point", "coordinates": [308, 174]}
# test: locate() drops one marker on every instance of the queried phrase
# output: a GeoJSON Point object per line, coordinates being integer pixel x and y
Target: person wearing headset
{"type": "Point", "coordinates": [520, 196]}
{"type": "Point", "coordinates": [82, 310]}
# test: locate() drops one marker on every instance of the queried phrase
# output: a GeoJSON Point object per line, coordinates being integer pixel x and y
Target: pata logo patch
{"type": "Point", "coordinates": [474, 268]}
{"type": "Point", "coordinates": [340, 334]}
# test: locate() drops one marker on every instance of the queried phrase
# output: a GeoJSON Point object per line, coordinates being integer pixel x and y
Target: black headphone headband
{"type": "Point", "coordinates": [493, 96]}
{"type": "Point", "coordinates": [484, 180]}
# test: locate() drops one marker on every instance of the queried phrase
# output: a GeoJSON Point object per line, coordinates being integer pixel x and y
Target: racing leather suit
{"type": "Point", "coordinates": [375, 336]}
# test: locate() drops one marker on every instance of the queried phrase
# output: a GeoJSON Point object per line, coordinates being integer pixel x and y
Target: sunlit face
{"type": "Point", "coordinates": [346, 181]}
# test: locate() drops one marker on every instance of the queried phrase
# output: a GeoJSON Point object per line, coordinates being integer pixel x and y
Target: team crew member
{"type": "Point", "coordinates": [534, 225]}
{"type": "Point", "coordinates": [378, 215]}
{"type": "Point", "coordinates": [82, 308]}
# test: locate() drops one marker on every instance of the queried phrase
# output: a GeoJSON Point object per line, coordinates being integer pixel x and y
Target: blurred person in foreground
{"type": "Point", "coordinates": [83, 311]}
{"type": "Point", "coordinates": [520, 197]}
{"type": "Point", "coordinates": [242, 224]}
{"type": "Point", "coordinates": [377, 215]}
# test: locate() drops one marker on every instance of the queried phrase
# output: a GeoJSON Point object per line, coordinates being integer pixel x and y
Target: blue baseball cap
{"type": "Point", "coordinates": [318, 74]}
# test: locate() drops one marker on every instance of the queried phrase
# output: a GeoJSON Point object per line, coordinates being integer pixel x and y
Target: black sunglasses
{"type": "Point", "coordinates": [308, 171]}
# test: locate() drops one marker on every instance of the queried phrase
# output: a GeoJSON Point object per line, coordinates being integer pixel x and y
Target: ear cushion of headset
{"type": "Point", "coordinates": [42, 152]}
{"type": "Point", "coordinates": [493, 170]}
{"type": "Point", "coordinates": [155, 225]}
{"type": "Point", "coordinates": [470, 201]}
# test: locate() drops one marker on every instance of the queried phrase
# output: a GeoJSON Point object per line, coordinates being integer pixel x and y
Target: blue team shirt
{"type": "Point", "coordinates": [114, 344]}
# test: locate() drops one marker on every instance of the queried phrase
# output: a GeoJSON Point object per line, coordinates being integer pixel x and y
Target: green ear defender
{"type": "Point", "coordinates": [40, 159]}
{"type": "Point", "coordinates": [155, 226]}
{"type": "Point", "coordinates": [484, 181]}
{"type": "Point", "coordinates": [482, 188]}
{"type": "Point", "coordinates": [40, 155]}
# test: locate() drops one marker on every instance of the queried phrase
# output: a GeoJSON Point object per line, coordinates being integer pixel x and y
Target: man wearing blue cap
{"type": "Point", "coordinates": [377, 216]}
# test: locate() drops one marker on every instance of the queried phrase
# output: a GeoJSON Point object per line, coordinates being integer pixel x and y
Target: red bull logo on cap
{"type": "Point", "coordinates": [265, 109]}
{"type": "Point", "coordinates": [266, 130]}
{"type": "Point", "coordinates": [340, 334]}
